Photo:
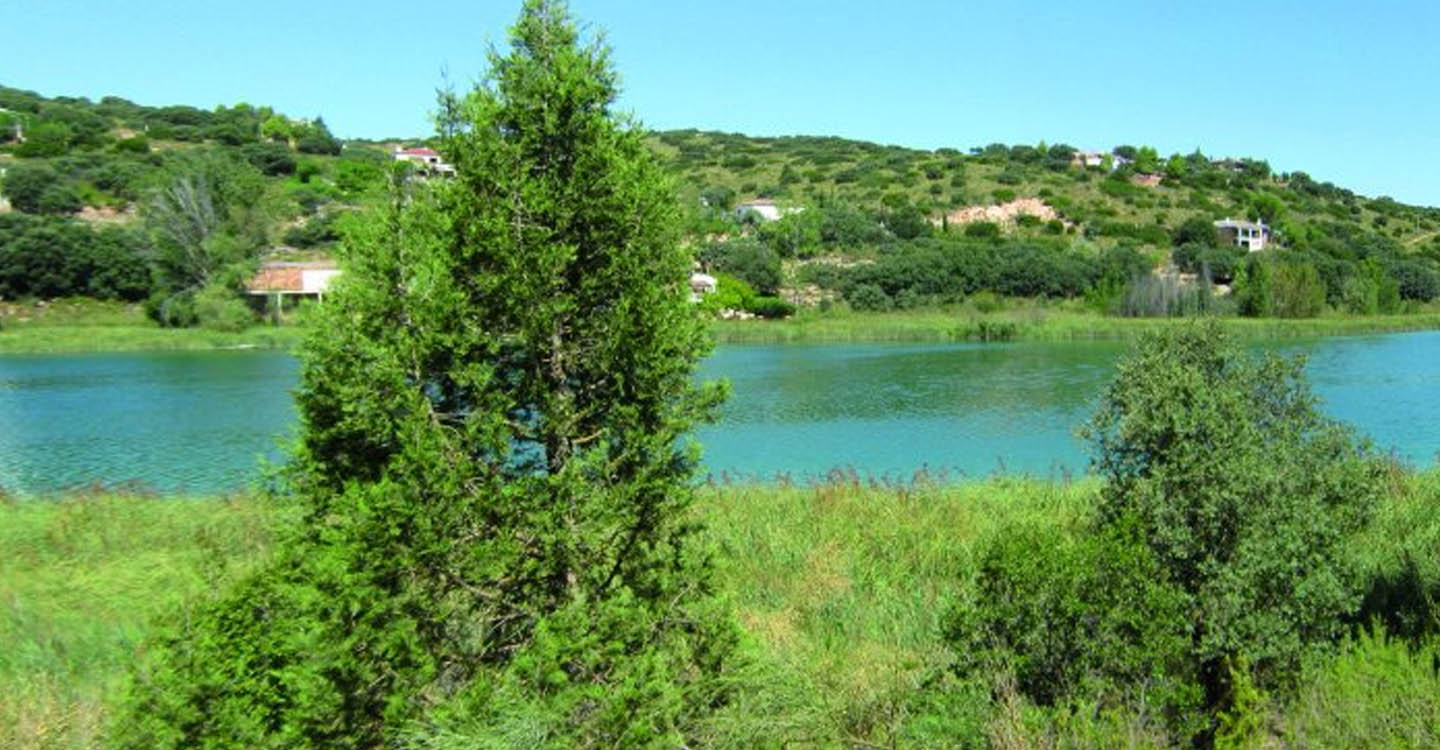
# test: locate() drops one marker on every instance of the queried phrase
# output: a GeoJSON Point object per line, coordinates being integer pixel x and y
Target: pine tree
{"type": "Point", "coordinates": [490, 469]}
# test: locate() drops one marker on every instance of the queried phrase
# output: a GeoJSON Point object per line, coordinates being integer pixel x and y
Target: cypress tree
{"type": "Point", "coordinates": [490, 468]}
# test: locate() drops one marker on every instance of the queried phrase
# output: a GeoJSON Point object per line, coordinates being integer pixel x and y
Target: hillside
{"type": "Point", "coordinates": [1125, 210]}
{"type": "Point", "coordinates": [870, 226]}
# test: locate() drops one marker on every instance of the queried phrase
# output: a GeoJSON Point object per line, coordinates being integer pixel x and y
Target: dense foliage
{"type": "Point", "coordinates": [490, 470]}
{"type": "Point", "coordinates": [862, 202]}
{"type": "Point", "coordinates": [1216, 560]}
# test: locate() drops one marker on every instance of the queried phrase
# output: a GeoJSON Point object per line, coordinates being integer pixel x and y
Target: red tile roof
{"type": "Point", "coordinates": [281, 279]}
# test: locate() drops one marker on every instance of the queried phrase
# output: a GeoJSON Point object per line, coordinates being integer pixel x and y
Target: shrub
{"type": "Point", "coordinates": [37, 189]}
{"type": "Point", "coordinates": [987, 230]}
{"type": "Point", "coordinates": [1003, 195]}
{"type": "Point", "coordinates": [751, 260]}
{"type": "Point", "coordinates": [1417, 280]}
{"type": "Point", "coordinates": [218, 308]}
{"type": "Point", "coordinates": [318, 230]}
{"type": "Point", "coordinates": [1379, 692]}
{"type": "Point", "coordinates": [869, 297]}
{"type": "Point", "coordinates": [1073, 619]}
{"type": "Point", "coordinates": [270, 158]}
{"type": "Point", "coordinates": [49, 257]}
{"type": "Point", "coordinates": [1243, 492]}
{"type": "Point", "coordinates": [730, 294]}
{"type": "Point", "coordinates": [771, 307]}
{"type": "Point", "coordinates": [136, 145]}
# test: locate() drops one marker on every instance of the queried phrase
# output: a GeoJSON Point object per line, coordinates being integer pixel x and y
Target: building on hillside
{"type": "Point", "coordinates": [701, 284]}
{"type": "Point", "coordinates": [1088, 158]}
{"type": "Point", "coordinates": [1251, 235]}
{"type": "Point", "coordinates": [426, 160]}
{"type": "Point", "coordinates": [764, 208]}
{"type": "Point", "coordinates": [279, 282]}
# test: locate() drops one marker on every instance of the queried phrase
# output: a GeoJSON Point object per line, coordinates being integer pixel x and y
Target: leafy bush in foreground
{"type": "Point", "coordinates": [1240, 496]}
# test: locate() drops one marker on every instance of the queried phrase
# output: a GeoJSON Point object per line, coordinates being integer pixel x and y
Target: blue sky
{"type": "Point", "coordinates": [1345, 91]}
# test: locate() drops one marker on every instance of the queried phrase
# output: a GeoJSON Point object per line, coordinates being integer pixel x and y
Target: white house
{"type": "Point", "coordinates": [427, 160]}
{"type": "Point", "coordinates": [701, 284]}
{"type": "Point", "coordinates": [763, 208]}
{"type": "Point", "coordinates": [1088, 158]}
{"type": "Point", "coordinates": [287, 279]}
{"type": "Point", "coordinates": [1251, 235]}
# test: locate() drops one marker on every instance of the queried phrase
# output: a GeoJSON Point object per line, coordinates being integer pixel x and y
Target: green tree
{"type": "Point", "coordinates": [37, 189]}
{"type": "Point", "coordinates": [794, 235]}
{"type": "Point", "coordinates": [207, 215]}
{"type": "Point", "coordinates": [751, 260]}
{"type": "Point", "coordinates": [1197, 230]}
{"type": "Point", "coordinates": [1244, 493]}
{"type": "Point", "coordinates": [276, 128]}
{"type": "Point", "coordinates": [490, 465]}
{"type": "Point", "coordinates": [1147, 160]}
{"type": "Point", "coordinates": [315, 138]}
{"type": "Point", "coordinates": [45, 139]}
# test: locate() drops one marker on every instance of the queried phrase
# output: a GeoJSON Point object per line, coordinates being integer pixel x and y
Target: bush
{"type": "Point", "coordinates": [1087, 619]}
{"type": "Point", "coordinates": [270, 158]}
{"type": "Point", "coordinates": [771, 307]}
{"type": "Point", "coordinates": [1245, 495]}
{"type": "Point", "coordinates": [985, 230]}
{"type": "Point", "coordinates": [1417, 280]}
{"type": "Point", "coordinates": [38, 189]}
{"type": "Point", "coordinates": [318, 230]}
{"type": "Point", "coordinates": [48, 257]}
{"type": "Point", "coordinates": [869, 297]}
{"type": "Point", "coordinates": [218, 308]}
{"type": "Point", "coordinates": [751, 260]}
{"type": "Point", "coordinates": [1221, 262]}
{"type": "Point", "coordinates": [730, 294]}
{"type": "Point", "coordinates": [136, 145]}
{"type": "Point", "coordinates": [1003, 195]}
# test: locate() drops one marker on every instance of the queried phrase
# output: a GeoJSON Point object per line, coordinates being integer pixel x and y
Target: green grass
{"type": "Point", "coordinates": [83, 579]}
{"type": "Point", "coordinates": [841, 588]}
{"type": "Point", "coordinates": [1027, 320]}
{"type": "Point", "coordinates": [86, 325]}
{"type": "Point", "coordinates": [82, 325]}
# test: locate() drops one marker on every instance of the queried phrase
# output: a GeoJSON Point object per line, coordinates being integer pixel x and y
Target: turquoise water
{"type": "Point", "coordinates": [201, 421]}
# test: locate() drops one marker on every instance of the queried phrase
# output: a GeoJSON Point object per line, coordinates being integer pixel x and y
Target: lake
{"type": "Point", "coordinates": [201, 421]}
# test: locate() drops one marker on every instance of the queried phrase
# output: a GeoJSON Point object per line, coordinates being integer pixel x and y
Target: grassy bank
{"type": "Point", "coordinates": [1031, 321]}
{"type": "Point", "coordinates": [84, 325]}
{"type": "Point", "coordinates": [90, 326]}
{"type": "Point", "coordinates": [841, 588]}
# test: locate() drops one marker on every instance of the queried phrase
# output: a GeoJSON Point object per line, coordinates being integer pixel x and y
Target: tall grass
{"type": "Point", "coordinates": [83, 579]}
{"type": "Point", "coordinates": [842, 588]}
{"type": "Point", "coordinates": [86, 325]}
{"type": "Point", "coordinates": [83, 325]}
{"type": "Point", "coordinates": [1033, 321]}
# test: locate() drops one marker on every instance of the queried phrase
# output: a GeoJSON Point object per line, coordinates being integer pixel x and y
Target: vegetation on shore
{"type": "Point", "coordinates": [842, 588]}
{"type": "Point", "coordinates": [1028, 320]}
{"type": "Point", "coordinates": [80, 325]}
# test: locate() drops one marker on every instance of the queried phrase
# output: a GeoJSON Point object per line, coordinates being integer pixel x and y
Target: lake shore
{"type": "Point", "coordinates": [843, 589]}
{"type": "Point", "coordinates": [1035, 323]}
{"type": "Point", "coordinates": [81, 326]}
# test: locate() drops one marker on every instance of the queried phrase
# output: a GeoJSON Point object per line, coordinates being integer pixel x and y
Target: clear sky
{"type": "Point", "coordinates": [1343, 90]}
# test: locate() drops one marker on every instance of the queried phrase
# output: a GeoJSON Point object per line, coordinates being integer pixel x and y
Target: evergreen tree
{"type": "Point", "coordinates": [494, 493]}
